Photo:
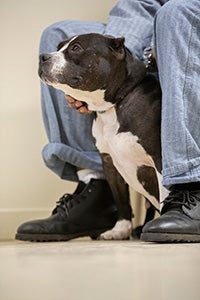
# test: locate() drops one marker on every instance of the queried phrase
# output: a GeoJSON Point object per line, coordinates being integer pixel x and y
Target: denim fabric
{"type": "Point", "coordinates": [134, 19]}
{"type": "Point", "coordinates": [175, 25]}
{"type": "Point", "coordinates": [177, 43]}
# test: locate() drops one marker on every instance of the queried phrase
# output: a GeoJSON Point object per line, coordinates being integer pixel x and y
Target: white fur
{"type": "Point", "coordinates": [95, 99]}
{"type": "Point", "coordinates": [67, 44]}
{"type": "Point", "coordinates": [57, 68]}
{"type": "Point", "coordinates": [59, 59]}
{"type": "Point", "coordinates": [121, 231]}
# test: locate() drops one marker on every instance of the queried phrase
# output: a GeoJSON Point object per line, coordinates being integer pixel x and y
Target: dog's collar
{"type": "Point", "coordinates": [101, 111]}
{"type": "Point", "coordinates": [104, 111]}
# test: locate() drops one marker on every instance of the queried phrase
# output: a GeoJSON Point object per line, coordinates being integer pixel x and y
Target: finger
{"type": "Point", "coordinates": [74, 103]}
{"type": "Point", "coordinates": [78, 103]}
{"type": "Point", "coordinates": [84, 110]}
{"type": "Point", "coordinates": [70, 99]}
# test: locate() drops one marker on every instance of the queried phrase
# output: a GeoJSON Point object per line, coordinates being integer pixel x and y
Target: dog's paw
{"type": "Point", "coordinates": [121, 231]}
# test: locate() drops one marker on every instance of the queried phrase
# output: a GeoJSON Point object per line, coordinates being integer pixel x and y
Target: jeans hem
{"type": "Point", "coordinates": [63, 160]}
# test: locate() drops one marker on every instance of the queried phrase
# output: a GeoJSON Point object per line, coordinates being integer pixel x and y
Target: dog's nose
{"type": "Point", "coordinates": [44, 57]}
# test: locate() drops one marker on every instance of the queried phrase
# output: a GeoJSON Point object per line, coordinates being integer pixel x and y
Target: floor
{"type": "Point", "coordinates": [97, 270]}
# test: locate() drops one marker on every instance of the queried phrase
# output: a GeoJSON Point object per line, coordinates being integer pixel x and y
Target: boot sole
{"type": "Point", "coordinates": [170, 237]}
{"type": "Point", "coordinates": [34, 237]}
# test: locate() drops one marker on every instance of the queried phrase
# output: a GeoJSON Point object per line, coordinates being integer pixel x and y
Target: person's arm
{"type": "Point", "coordinates": [133, 19]}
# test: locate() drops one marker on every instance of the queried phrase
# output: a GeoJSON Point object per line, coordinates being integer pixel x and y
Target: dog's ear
{"type": "Point", "coordinates": [116, 45]}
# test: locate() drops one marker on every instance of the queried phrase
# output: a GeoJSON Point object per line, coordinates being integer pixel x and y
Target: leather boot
{"type": "Point", "coordinates": [89, 211]}
{"type": "Point", "coordinates": [180, 217]}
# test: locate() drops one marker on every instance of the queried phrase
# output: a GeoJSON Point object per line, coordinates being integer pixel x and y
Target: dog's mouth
{"type": "Point", "coordinates": [43, 77]}
{"type": "Point", "coordinates": [40, 73]}
{"type": "Point", "coordinates": [46, 77]}
{"type": "Point", "coordinates": [52, 79]}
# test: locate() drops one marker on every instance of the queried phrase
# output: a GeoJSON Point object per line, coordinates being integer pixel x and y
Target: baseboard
{"type": "Point", "coordinates": [10, 219]}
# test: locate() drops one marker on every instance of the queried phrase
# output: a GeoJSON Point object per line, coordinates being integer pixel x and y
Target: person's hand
{"type": "Point", "coordinates": [78, 105]}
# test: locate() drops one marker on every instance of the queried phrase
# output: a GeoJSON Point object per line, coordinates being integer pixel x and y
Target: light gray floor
{"type": "Point", "coordinates": [96, 270]}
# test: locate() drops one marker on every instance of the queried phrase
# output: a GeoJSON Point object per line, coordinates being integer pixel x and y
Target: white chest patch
{"type": "Point", "coordinates": [127, 154]}
{"type": "Point", "coordinates": [95, 99]}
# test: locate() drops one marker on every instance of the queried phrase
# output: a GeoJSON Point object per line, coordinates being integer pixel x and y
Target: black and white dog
{"type": "Point", "coordinates": [100, 71]}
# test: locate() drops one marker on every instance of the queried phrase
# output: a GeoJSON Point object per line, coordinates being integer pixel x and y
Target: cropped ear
{"type": "Point", "coordinates": [116, 45]}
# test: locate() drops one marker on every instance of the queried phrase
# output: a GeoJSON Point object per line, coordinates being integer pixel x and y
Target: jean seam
{"type": "Point", "coordinates": [187, 83]}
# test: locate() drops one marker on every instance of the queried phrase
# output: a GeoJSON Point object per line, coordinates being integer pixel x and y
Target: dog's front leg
{"type": "Point", "coordinates": [120, 190]}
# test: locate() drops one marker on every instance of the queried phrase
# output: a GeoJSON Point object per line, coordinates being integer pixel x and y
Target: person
{"type": "Point", "coordinates": [172, 28]}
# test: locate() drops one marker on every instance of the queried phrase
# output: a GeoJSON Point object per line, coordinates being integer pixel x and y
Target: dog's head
{"type": "Point", "coordinates": [83, 62]}
{"type": "Point", "coordinates": [86, 63]}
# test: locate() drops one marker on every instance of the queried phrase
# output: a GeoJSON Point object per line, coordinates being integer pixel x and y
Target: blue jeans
{"type": "Point", "coordinates": [175, 25]}
{"type": "Point", "coordinates": [177, 44]}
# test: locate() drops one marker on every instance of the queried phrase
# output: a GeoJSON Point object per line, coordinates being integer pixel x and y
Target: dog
{"type": "Point", "coordinates": [100, 71]}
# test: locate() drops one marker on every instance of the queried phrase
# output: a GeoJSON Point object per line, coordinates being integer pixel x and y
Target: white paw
{"type": "Point", "coordinates": [121, 231]}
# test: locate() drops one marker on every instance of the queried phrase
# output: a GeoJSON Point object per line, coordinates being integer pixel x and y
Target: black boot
{"type": "Point", "coordinates": [88, 212]}
{"type": "Point", "coordinates": [180, 217]}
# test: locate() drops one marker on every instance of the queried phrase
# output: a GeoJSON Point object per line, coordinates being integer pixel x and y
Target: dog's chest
{"type": "Point", "coordinates": [124, 147]}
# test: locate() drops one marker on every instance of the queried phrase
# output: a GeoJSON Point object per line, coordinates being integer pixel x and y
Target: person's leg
{"type": "Point", "coordinates": [177, 27]}
{"type": "Point", "coordinates": [177, 51]}
{"type": "Point", "coordinates": [72, 155]}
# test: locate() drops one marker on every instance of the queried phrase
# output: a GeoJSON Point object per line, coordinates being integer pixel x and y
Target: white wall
{"type": "Point", "coordinates": [27, 188]}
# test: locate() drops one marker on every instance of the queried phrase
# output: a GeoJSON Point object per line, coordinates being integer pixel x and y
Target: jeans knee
{"type": "Point", "coordinates": [167, 14]}
{"type": "Point", "coordinates": [174, 11]}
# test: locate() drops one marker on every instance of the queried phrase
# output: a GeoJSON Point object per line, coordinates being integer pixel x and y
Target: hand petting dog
{"type": "Point", "coordinates": [78, 105]}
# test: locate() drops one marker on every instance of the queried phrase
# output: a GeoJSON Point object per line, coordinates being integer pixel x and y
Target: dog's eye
{"type": "Point", "coordinates": [76, 47]}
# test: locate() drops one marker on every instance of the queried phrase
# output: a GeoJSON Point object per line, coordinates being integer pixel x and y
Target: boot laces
{"type": "Point", "coordinates": [181, 198]}
{"type": "Point", "coordinates": [66, 202]}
